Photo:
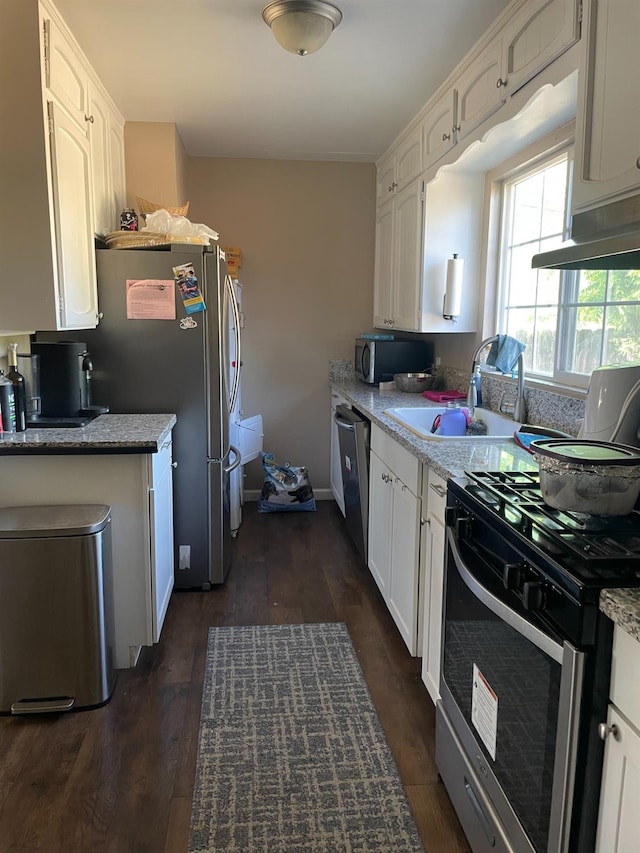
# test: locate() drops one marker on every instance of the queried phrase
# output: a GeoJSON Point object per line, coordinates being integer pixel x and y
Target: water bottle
{"type": "Point", "coordinates": [453, 421]}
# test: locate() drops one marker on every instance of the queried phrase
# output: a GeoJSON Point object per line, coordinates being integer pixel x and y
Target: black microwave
{"type": "Point", "coordinates": [377, 361]}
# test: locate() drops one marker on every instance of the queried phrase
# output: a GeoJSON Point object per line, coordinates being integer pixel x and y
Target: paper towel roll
{"type": "Point", "coordinates": [453, 292]}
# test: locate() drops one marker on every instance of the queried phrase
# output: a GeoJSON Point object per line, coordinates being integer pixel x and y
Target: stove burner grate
{"type": "Point", "coordinates": [600, 547]}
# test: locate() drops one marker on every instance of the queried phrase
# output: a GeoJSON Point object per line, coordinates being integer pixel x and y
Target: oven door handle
{"type": "Point", "coordinates": [534, 635]}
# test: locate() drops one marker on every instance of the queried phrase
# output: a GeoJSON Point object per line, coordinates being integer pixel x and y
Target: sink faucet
{"type": "Point", "coordinates": [517, 408]}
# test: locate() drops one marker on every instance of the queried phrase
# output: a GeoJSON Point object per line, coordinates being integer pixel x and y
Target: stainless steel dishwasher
{"type": "Point", "coordinates": [354, 431]}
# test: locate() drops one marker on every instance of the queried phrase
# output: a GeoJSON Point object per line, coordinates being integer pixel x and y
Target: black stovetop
{"type": "Point", "coordinates": [593, 551]}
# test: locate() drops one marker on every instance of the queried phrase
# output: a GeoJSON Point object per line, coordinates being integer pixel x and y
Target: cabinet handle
{"type": "Point", "coordinates": [165, 444]}
{"type": "Point", "coordinates": [393, 186]}
{"type": "Point", "coordinates": [438, 489]}
{"type": "Point", "coordinates": [604, 731]}
{"type": "Point", "coordinates": [455, 128]}
{"type": "Point", "coordinates": [446, 136]}
{"type": "Point", "coordinates": [89, 118]}
{"type": "Point", "coordinates": [174, 464]}
{"type": "Point", "coordinates": [500, 83]}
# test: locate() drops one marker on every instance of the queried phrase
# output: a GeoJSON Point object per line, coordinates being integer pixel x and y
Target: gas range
{"type": "Point", "coordinates": [526, 660]}
{"type": "Point", "coordinates": [556, 563]}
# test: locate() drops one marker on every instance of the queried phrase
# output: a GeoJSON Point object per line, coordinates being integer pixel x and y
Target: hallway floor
{"type": "Point", "coordinates": [119, 779]}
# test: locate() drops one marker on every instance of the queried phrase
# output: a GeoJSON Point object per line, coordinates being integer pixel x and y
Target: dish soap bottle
{"type": "Point", "coordinates": [19, 391]}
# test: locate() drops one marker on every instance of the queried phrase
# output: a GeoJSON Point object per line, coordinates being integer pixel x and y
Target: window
{"type": "Point", "coordinates": [571, 322]}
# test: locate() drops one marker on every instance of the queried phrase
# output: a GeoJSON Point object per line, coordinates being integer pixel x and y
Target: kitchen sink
{"type": "Point", "coordinates": [419, 421]}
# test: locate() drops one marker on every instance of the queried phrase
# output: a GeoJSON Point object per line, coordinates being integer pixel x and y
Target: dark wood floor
{"type": "Point", "coordinates": [119, 779]}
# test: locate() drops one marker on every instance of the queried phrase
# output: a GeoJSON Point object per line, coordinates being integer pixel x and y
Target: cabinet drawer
{"type": "Point", "coordinates": [625, 686]}
{"type": "Point", "coordinates": [402, 463]}
{"type": "Point", "coordinates": [436, 495]}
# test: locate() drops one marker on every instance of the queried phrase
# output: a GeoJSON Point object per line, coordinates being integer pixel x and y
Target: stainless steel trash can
{"type": "Point", "coordinates": [56, 621]}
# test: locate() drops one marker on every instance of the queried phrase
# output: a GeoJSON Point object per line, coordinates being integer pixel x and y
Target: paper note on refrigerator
{"type": "Point", "coordinates": [151, 299]}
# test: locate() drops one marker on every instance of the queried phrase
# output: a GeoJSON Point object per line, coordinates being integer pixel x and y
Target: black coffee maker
{"type": "Point", "coordinates": [65, 385]}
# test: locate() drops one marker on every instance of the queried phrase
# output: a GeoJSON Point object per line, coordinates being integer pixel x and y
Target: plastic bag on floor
{"type": "Point", "coordinates": [285, 488]}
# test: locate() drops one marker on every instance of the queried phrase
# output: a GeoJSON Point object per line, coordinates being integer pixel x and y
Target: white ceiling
{"type": "Point", "coordinates": [214, 68]}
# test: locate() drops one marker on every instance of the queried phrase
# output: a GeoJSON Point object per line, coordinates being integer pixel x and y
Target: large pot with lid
{"type": "Point", "coordinates": [593, 477]}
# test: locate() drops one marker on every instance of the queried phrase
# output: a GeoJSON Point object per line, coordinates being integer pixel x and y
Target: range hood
{"type": "Point", "coordinates": [606, 238]}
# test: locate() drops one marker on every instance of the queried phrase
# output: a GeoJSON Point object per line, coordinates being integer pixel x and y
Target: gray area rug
{"type": "Point", "coordinates": [291, 755]}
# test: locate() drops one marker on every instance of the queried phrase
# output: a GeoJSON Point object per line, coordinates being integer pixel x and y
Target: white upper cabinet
{"type": "Point", "coordinates": [106, 135]}
{"type": "Point", "coordinates": [608, 125]}
{"type": "Point", "coordinates": [65, 77]}
{"type": "Point", "coordinates": [536, 35]}
{"type": "Point", "coordinates": [401, 166]}
{"type": "Point", "coordinates": [52, 171]}
{"type": "Point", "coordinates": [481, 89]}
{"type": "Point", "coordinates": [72, 201]}
{"type": "Point", "coordinates": [398, 258]}
{"type": "Point", "coordinates": [437, 128]}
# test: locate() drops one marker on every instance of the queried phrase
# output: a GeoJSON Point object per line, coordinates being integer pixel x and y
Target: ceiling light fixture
{"type": "Point", "coordinates": [302, 26]}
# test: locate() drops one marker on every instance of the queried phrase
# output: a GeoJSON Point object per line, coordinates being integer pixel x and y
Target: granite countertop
{"type": "Point", "coordinates": [452, 458]}
{"type": "Point", "coordinates": [448, 458]}
{"type": "Point", "coordinates": [105, 434]}
{"type": "Point", "coordinates": [622, 606]}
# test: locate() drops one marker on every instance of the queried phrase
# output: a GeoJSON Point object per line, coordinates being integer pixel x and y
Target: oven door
{"type": "Point", "coordinates": [511, 692]}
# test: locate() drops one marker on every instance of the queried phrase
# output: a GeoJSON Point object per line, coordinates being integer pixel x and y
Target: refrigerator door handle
{"type": "Point", "coordinates": [229, 468]}
{"type": "Point", "coordinates": [233, 396]}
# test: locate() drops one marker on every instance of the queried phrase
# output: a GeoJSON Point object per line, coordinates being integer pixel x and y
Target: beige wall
{"type": "Point", "coordinates": [306, 231]}
{"type": "Point", "coordinates": [155, 159]}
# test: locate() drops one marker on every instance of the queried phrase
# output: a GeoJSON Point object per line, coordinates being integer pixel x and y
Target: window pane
{"type": "Point", "coordinates": [553, 208]}
{"type": "Point", "coordinates": [527, 202]}
{"type": "Point", "coordinates": [588, 324]}
{"type": "Point", "coordinates": [523, 279]}
{"type": "Point", "coordinates": [624, 285]}
{"type": "Point", "coordinates": [622, 337]}
{"type": "Point", "coordinates": [548, 287]}
{"type": "Point", "coordinates": [544, 345]}
{"type": "Point", "coordinates": [592, 286]}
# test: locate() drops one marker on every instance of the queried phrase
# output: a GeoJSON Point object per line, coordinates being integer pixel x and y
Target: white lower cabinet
{"type": "Point", "coordinates": [432, 554]}
{"type": "Point", "coordinates": [138, 488]}
{"type": "Point", "coordinates": [394, 531]}
{"type": "Point", "coordinates": [618, 823]}
{"type": "Point", "coordinates": [335, 478]}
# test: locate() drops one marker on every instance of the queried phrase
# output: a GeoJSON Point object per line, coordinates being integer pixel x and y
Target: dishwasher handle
{"type": "Point", "coordinates": [342, 423]}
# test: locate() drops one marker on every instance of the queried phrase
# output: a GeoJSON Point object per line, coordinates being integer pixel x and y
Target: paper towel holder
{"type": "Point", "coordinates": [453, 289]}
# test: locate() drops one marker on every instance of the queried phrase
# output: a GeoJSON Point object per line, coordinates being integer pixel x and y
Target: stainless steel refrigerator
{"type": "Point", "coordinates": [180, 365]}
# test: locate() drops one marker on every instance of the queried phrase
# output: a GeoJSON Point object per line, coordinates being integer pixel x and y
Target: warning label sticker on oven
{"type": "Point", "coordinates": [484, 711]}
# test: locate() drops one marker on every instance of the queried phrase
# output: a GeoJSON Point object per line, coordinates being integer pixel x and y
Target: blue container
{"type": "Point", "coordinates": [453, 421]}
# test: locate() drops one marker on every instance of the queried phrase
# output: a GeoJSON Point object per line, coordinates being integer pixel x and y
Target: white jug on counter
{"type": "Point", "coordinates": [612, 406]}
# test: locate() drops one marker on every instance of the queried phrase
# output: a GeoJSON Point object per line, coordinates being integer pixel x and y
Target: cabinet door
{"type": "Point", "coordinates": [65, 76]}
{"type": "Point", "coordinates": [536, 35]}
{"type": "Point", "coordinates": [438, 133]}
{"type": "Point", "coordinates": [386, 179]}
{"type": "Point", "coordinates": [620, 793]}
{"type": "Point", "coordinates": [380, 503]}
{"type": "Point", "coordinates": [409, 158]}
{"type": "Point", "coordinates": [608, 126]}
{"type": "Point", "coordinates": [118, 198]}
{"type": "Point", "coordinates": [382, 283]}
{"type": "Point", "coordinates": [336, 466]}
{"type": "Point", "coordinates": [100, 176]}
{"type": "Point", "coordinates": [161, 531]}
{"type": "Point", "coordinates": [434, 581]}
{"type": "Point", "coordinates": [73, 217]}
{"type": "Point", "coordinates": [407, 254]}
{"type": "Point", "coordinates": [480, 89]}
{"type": "Point", "coordinates": [403, 578]}
{"type": "Point", "coordinates": [434, 498]}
